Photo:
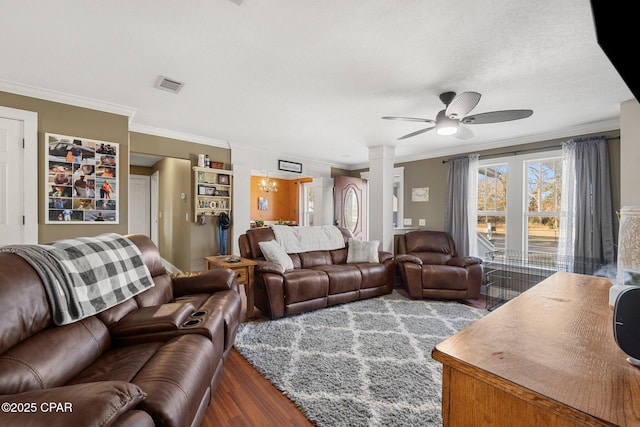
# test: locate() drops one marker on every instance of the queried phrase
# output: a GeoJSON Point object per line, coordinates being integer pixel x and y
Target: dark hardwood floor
{"type": "Point", "coordinates": [244, 398]}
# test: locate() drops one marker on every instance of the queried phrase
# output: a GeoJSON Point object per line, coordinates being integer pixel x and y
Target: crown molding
{"type": "Point", "coordinates": [166, 133]}
{"type": "Point", "coordinates": [571, 132]}
{"type": "Point", "coordinates": [66, 98]}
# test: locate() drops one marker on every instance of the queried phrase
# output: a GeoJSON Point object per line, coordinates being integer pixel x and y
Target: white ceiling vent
{"type": "Point", "coordinates": [168, 84]}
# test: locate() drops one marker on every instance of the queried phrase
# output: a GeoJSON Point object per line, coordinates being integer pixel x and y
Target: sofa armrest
{"type": "Point", "coordinates": [384, 256]}
{"type": "Point", "coordinates": [268, 267]}
{"type": "Point", "coordinates": [89, 404]}
{"type": "Point", "coordinates": [464, 261]}
{"type": "Point", "coordinates": [408, 258]}
{"type": "Point", "coordinates": [208, 281]}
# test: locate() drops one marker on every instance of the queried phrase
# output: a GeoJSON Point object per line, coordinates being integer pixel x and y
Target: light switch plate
{"type": "Point", "coordinates": [406, 221]}
{"type": "Point", "coordinates": [422, 221]}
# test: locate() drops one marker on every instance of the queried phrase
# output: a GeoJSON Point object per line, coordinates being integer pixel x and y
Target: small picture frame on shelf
{"type": "Point", "coordinates": [221, 193]}
{"type": "Point", "coordinates": [202, 190]}
{"type": "Point", "coordinates": [223, 179]}
{"type": "Point", "coordinates": [210, 191]}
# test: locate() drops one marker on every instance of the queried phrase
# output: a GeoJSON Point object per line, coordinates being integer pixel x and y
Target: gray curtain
{"type": "Point", "coordinates": [593, 220]}
{"type": "Point", "coordinates": [461, 203]}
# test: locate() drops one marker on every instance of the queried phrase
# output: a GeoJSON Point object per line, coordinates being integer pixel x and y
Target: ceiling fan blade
{"type": "Point", "coordinates": [415, 133]}
{"type": "Point", "coordinates": [410, 119]}
{"type": "Point", "coordinates": [463, 132]}
{"type": "Point", "coordinates": [497, 116]}
{"type": "Point", "coordinates": [462, 104]}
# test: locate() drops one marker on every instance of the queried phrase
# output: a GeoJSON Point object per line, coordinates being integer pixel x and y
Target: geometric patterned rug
{"type": "Point", "coordinates": [366, 363]}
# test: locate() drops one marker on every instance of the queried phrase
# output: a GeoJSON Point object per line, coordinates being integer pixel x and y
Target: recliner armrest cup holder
{"type": "Point", "coordinates": [191, 322]}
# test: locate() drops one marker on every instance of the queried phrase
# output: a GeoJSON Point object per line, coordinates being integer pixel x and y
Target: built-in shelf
{"type": "Point", "coordinates": [212, 191]}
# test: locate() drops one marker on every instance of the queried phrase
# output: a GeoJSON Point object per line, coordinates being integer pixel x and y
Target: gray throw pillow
{"type": "Point", "coordinates": [362, 251]}
{"type": "Point", "coordinates": [275, 253]}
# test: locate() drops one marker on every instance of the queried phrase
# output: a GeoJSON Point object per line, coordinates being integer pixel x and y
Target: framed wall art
{"type": "Point", "coordinates": [81, 180]}
{"type": "Point", "coordinates": [285, 165]}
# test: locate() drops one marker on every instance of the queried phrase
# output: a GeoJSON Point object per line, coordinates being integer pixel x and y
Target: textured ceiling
{"type": "Point", "coordinates": [311, 78]}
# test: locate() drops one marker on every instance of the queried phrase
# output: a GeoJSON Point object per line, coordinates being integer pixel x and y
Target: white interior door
{"type": "Point", "coordinates": [12, 224]}
{"type": "Point", "coordinates": [139, 205]}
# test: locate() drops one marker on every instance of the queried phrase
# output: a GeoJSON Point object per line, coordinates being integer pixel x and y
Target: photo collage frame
{"type": "Point", "coordinates": [82, 180]}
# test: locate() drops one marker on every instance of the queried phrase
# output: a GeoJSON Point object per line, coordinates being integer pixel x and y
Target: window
{"type": "Point", "coordinates": [519, 203]}
{"type": "Point", "coordinates": [544, 181]}
{"type": "Point", "coordinates": [307, 204]}
{"type": "Point", "coordinates": [492, 204]}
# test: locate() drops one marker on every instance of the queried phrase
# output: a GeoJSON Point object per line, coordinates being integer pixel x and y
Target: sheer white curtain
{"type": "Point", "coordinates": [566, 241]}
{"type": "Point", "coordinates": [461, 216]}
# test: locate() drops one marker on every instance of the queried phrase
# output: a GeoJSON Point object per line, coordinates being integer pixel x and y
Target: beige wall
{"type": "Point", "coordinates": [182, 242]}
{"type": "Point", "coordinates": [630, 152]}
{"type": "Point", "coordinates": [432, 173]}
{"type": "Point", "coordinates": [65, 119]}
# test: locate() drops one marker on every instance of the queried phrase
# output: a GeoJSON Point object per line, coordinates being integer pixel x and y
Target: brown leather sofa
{"type": "Point", "coordinates": [155, 359]}
{"type": "Point", "coordinates": [430, 268]}
{"type": "Point", "coordinates": [319, 278]}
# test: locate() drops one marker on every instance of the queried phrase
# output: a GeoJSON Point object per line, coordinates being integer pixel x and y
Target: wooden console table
{"type": "Point", "coordinates": [545, 358]}
{"type": "Point", "coordinates": [243, 271]}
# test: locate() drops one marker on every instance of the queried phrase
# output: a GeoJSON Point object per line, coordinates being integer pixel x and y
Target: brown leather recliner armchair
{"type": "Point", "coordinates": [430, 267]}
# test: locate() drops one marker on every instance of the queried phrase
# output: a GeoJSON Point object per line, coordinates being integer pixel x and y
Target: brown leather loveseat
{"type": "Point", "coordinates": [318, 279]}
{"type": "Point", "coordinates": [430, 267]}
{"type": "Point", "coordinates": [154, 359]}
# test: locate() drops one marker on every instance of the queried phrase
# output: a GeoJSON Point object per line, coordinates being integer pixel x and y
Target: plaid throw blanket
{"type": "Point", "coordinates": [87, 275]}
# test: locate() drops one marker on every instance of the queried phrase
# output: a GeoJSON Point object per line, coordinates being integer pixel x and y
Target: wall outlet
{"type": "Point", "coordinates": [422, 221]}
{"type": "Point", "coordinates": [406, 221]}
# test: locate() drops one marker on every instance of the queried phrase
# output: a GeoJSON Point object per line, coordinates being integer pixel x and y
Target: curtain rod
{"type": "Point", "coordinates": [529, 150]}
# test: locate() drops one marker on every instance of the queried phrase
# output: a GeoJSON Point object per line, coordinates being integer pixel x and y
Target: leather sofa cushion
{"type": "Point", "coordinates": [315, 258]}
{"type": "Point", "coordinates": [69, 349]}
{"type": "Point", "coordinates": [303, 285]}
{"type": "Point", "coordinates": [432, 241]}
{"type": "Point", "coordinates": [24, 307]}
{"type": "Point", "coordinates": [91, 405]}
{"type": "Point", "coordinates": [373, 275]}
{"type": "Point", "coordinates": [174, 374]}
{"type": "Point", "coordinates": [433, 257]}
{"type": "Point", "coordinates": [445, 277]}
{"type": "Point", "coordinates": [342, 278]}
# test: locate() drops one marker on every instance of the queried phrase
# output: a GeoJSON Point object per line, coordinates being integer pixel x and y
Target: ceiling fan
{"type": "Point", "coordinates": [453, 120]}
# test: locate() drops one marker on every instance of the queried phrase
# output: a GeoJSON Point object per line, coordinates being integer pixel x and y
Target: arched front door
{"type": "Point", "coordinates": [350, 205]}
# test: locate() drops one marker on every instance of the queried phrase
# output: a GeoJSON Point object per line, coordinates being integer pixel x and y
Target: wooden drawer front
{"type": "Point", "coordinates": [241, 275]}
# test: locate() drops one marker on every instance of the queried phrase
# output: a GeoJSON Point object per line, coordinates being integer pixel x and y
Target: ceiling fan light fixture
{"type": "Point", "coordinates": [447, 127]}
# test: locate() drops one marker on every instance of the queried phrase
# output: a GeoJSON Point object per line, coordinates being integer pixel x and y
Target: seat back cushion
{"type": "Point", "coordinates": [255, 236]}
{"type": "Point", "coordinates": [53, 356]}
{"type": "Point", "coordinates": [24, 306]}
{"type": "Point", "coordinates": [433, 247]}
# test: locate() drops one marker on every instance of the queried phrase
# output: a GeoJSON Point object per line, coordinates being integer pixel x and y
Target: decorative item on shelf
{"type": "Point", "coordinates": [628, 273]}
{"type": "Point", "coordinates": [223, 179]}
{"type": "Point", "coordinates": [207, 161]}
{"type": "Point", "coordinates": [217, 165]}
{"type": "Point", "coordinates": [267, 185]}
{"type": "Point", "coordinates": [201, 161]}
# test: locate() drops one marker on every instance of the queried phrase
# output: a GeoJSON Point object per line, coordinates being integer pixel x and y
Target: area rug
{"type": "Point", "coordinates": [365, 363]}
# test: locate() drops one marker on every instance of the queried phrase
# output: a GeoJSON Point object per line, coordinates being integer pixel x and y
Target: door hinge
{"type": "Point", "coordinates": [23, 143]}
{"type": "Point", "coordinates": [23, 220]}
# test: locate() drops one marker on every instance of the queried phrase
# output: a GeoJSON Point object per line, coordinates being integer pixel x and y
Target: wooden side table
{"type": "Point", "coordinates": [243, 271]}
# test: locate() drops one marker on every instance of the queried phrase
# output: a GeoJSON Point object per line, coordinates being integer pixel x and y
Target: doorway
{"type": "Point", "coordinates": [18, 176]}
{"type": "Point", "coordinates": [350, 202]}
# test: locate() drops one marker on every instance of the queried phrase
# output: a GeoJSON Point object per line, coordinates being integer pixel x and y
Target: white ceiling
{"type": "Point", "coordinates": [311, 79]}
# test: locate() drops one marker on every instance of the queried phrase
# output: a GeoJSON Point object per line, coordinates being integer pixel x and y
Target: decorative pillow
{"type": "Point", "coordinates": [275, 253]}
{"type": "Point", "coordinates": [362, 251]}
